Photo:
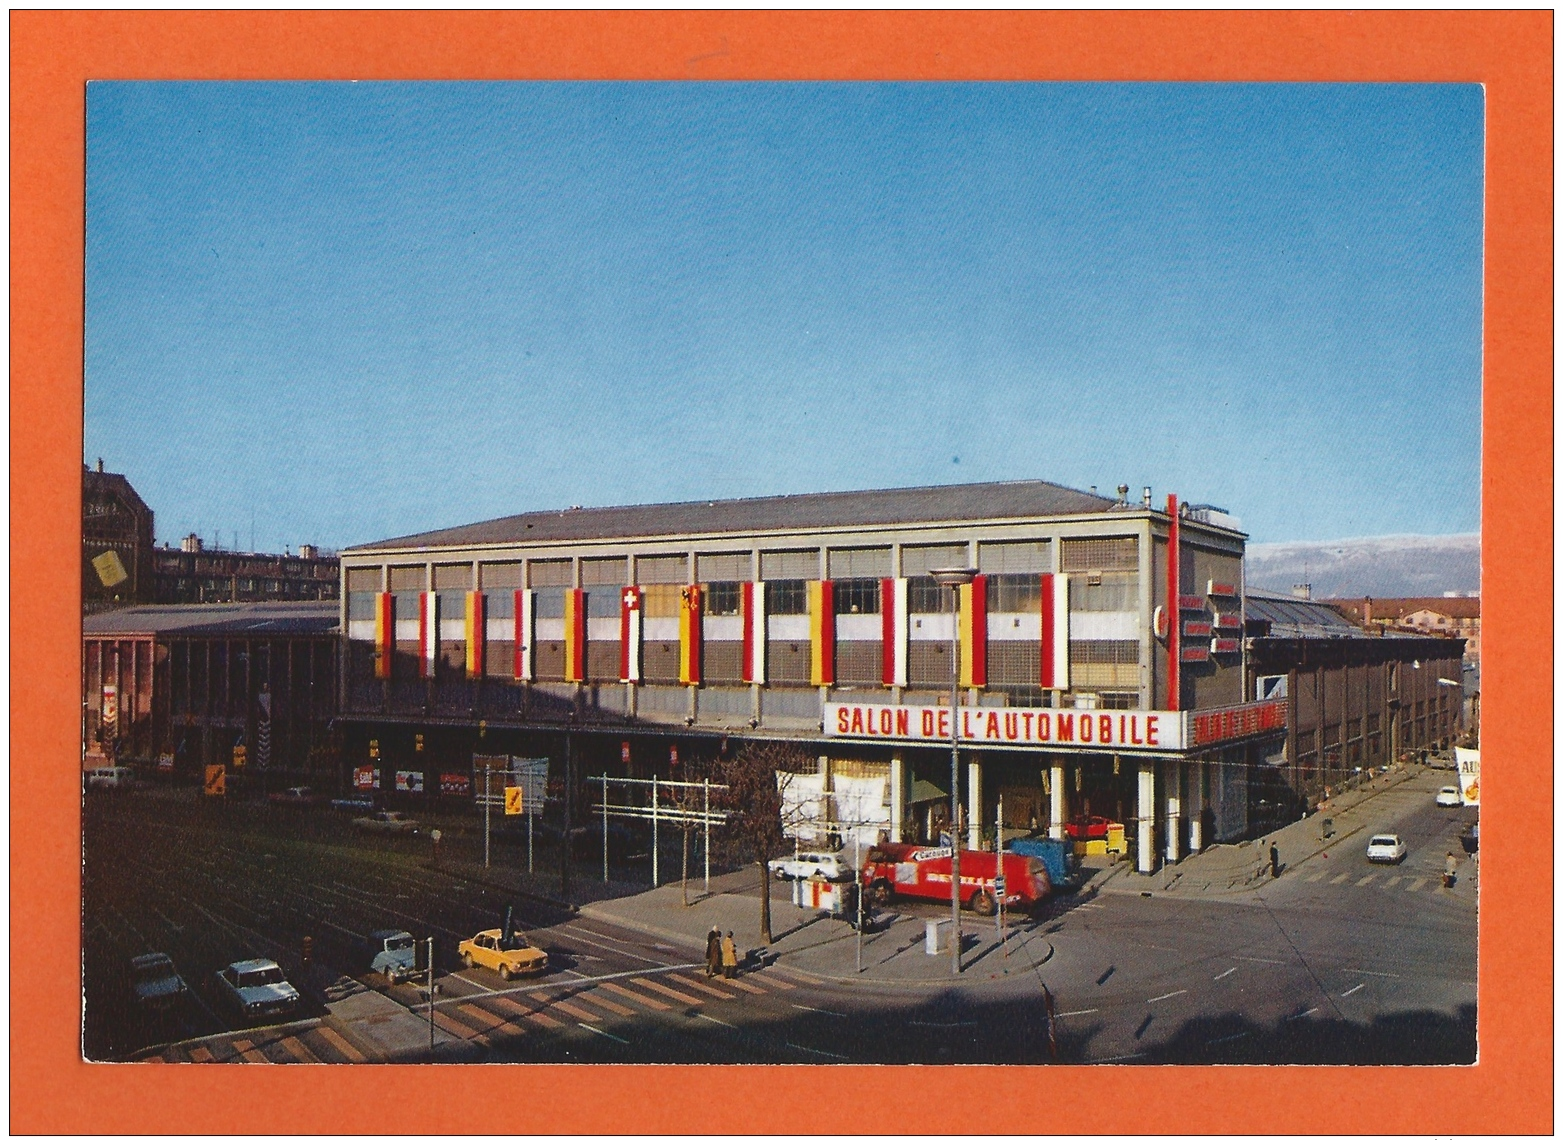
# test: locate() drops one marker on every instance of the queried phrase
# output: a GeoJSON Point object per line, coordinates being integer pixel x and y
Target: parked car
{"type": "Point", "coordinates": [395, 954]}
{"type": "Point", "coordinates": [1386, 849]}
{"type": "Point", "coordinates": [110, 779]}
{"type": "Point", "coordinates": [1448, 796]}
{"type": "Point", "coordinates": [154, 982]}
{"type": "Point", "coordinates": [392, 821]}
{"type": "Point", "coordinates": [296, 797]}
{"type": "Point", "coordinates": [256, 988]}
{"type": "Point", "coordinates": [1085, 827]}
{"type": "Point", "coordinates": [509, 959]}
{"type": "Point", "coordinates": [825, 865]}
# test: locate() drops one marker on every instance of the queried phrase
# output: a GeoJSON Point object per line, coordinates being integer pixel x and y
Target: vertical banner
{"type": "Point", "coordinates": [108, 719]}
{"type": "Point", "coordinates": [1469, 762]}
{"type": "Point", "coordinates": [384, 634]}
{"type": "Point", "coordinates": [754, 632]}
{"type": "Point", "coordinates": [892, 609]}
{"type": "Point", "coordinates": [575, 635]}
{"type": "Point", "coordinates": [428, 632]}
{"type": "Point", "coordinates": [974, 633]}
{"type": "Point", "coordinates": [477, 630]}
{"type": "Point", "coordinates": [822, 633]}
{"type": "Point", "coordinates": [1055, 631]}
{"type": "Point", "coordinates": [1174, 601]}
{"type": "Point", "coordinates": [629, 635]}
{"type": "Point", "coordinates": [523, 612]}
{"type": "Point", "coordinates": [689, 635]}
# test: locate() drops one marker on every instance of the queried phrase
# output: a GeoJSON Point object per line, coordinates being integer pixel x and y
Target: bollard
{"type": "Point", "coordinates": [307, 952]}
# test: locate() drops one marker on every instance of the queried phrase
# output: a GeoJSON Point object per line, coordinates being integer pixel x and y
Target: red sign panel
{"type": "Point", "coordinates": [624, 751]}
{"type": "Point", "coordinates": [455, 783]}
{"type": "Point", "coordinates": [1196, 629]}
{"type": "Point", "coordinates": [1228, 621]}
{"type": "Point", "coordinates": [1221, 589]}
{"type": "Point", "coordinates": [1190, 602]}
{"type": "Point", "coordinates": [1227, 724]}
{"type": "Point", "coordinates": [365, 778]}
{"type": "Point", "coordinates": [1224, 645]}
{"type": "Point", "coordinates": [1194, 653]}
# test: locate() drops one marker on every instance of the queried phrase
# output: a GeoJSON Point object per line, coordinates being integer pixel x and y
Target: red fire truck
{"type": "Point", "coordinates": [904, 869]}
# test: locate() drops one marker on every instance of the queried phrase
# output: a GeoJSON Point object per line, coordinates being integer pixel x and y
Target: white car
{"type": "Point", "coordinates": [393, 821]}
{"type": "Point", "coordinates": [812, 865]}
{"type": "Point", "coordinates": [257, 988]}
{"type": "Point", "coordinates": [1386, 849]}
{"type": "Point", "coordinates": [1448, 796]}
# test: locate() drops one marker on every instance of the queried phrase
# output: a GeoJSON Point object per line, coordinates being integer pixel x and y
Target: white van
{"type": "Point", "coordinates": [112, 779]}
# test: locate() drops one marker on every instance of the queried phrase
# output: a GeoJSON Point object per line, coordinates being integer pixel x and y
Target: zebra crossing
{"type": "Point", "coordinates": [1377, 879]}
{"type": "Point", "coordinates": [500, 1018]}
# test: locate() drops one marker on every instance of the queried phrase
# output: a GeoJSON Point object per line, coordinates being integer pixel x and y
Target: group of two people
{"type": "Point", "coordinates": [721, 954]}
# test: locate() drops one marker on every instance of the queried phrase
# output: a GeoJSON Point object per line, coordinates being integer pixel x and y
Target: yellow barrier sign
{"type": "Point", "coordinates": [513, 801]}
{"type": "Point", "coordinates": [216, 780]}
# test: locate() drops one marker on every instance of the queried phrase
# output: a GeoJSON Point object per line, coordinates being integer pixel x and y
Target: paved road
{"type": "Point", "coordinates": [1378, 965]}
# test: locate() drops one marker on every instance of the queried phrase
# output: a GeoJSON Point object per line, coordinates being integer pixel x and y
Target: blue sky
{"type": "Point", "coordinates": [341, 312]}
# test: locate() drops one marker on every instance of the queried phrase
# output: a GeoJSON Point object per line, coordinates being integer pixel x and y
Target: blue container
{"type": "Point", "coordinates": [1057, 855]}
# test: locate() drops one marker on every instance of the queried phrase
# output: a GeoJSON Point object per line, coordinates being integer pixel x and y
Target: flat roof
{"type": "Point", "coordinates": [223, 618]}
{"type": "Point", "coordinates": [965, 502]}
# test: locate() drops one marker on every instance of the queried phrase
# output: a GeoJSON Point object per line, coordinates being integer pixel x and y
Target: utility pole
{"type": "Point", "coordinates": [564, 863]}
{"type": "Point", "coordinates": [431, 995]}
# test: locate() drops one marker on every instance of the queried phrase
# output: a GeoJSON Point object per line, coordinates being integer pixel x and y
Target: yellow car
{"type": "Point", "coordinates": [517, 958]}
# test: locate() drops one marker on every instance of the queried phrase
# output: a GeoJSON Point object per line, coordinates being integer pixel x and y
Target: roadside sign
{"type": "Point", "coordinates": [998, 886]}
{"type": "Point", "coordinates": [513, 801]}
{"type": "Point", "coordinates": [624, 751]}
{"type": "Point", "coordinates": [673, 756]}
{"type": "Point", "coordinates": [366, 778]}
{"type": "Point", "coordinates": [239, 753]}
{"type": "Point", "coordinates": [216, 780]}
{"type": "Point", "coordinates": [165, 762]}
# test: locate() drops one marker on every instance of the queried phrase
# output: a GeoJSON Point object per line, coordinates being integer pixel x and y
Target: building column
{"type": "Point", "coordinates": [1196, 806]}
{"type": "Point", "coordinates": [1174, 810]}
{"type": "Point", "coordinates": [1145, 810]}
{"type": "Point", "coordinates": [974, 804]}
{"type": "Point", "coordinates": [897, 794]}
{"type": "Point", "coordinates": [1055, 814]}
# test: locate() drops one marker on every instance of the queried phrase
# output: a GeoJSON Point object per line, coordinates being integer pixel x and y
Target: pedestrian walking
{"type": "Point", "coordinates": [713, 952]}
{"type": "Point", "coordinates": [1449, 866]}
{"type": "Point", "coordinates": [729, 956]}
{"type": "Point", "coordinates": [1275, 861]}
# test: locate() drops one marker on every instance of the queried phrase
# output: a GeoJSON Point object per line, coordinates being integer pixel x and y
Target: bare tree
{"type": "Point", "coordinates": [690, 802]}
{"type": "Point", "coordinates": [756, 775]}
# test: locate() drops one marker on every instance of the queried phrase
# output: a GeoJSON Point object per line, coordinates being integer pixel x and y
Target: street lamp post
{"type": "Point", "coordinates": [955, 578]}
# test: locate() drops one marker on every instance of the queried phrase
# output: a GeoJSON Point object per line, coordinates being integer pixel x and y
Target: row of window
{"type": "Point", "coordinates": [1007, 594]}
{"type": "Point", "coordinates": [1076, 555]}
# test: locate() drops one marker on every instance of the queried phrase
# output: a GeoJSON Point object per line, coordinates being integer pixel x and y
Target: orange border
{"type": "Point", "coordinates": [53, 53]}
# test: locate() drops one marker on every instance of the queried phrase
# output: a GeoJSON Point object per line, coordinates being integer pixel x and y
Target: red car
{"type": "Point", "coordinates": [1086, 827]}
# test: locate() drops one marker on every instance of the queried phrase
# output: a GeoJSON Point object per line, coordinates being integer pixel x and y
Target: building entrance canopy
{"type": "Point", "coordinates": [1067, 730]}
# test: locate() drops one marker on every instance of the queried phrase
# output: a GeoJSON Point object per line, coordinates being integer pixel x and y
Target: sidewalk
{"type": "Point", "coordinates": [1235, 869]}
{"type": "Point", "coordinates": [825, 946]}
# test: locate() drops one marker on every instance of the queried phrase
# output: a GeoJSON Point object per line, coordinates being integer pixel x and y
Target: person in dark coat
{"type": "Point", "coordinates": [713, 952]}
{"type": "Point", "coordinates": [1275, 861]}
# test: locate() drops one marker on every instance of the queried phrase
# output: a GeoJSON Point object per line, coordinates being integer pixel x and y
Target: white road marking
{"type": "Point", "coordinates": [1393, 879]}
{"type": "Point", "coordinates": [1232, 1037]}
{"type": "Point", "coordinates": [1354, 989]}
{"type": "Point", "coordinates": [602, 1033]}
{"type": "Point", "coordinates": [1266, 961]}
{"type": "Point", "coordinates": [1303, 1014]}
{"type": "Point", "coordinates": [941, 1024]}
{"type": "Point", "coordinates": [1164, 997]}
{"type": "Point", "coordinates": [1120, 1057]}
{"type": "Point", "coordinates": [717, 1020]}
{"type": "Point", "coordinates": [1366, 879]}
{"type": "Point", "coordinates": [1417, 885]}
{"type": "Point", "coordinates": [815, 1009]}
{"type": "Point", "coordinates": [1340, 878]}
{"type": "Point", "coordinates": [1224, 973]}
{"type": "Point", "coordinates": [1077, 1012]}
{"type": "Point", "coordinates": [1313, 878]}
{"type": "Point", "coordinates": [821, 1052]}
{"type": "Point", "coordinates": [1370, 973]}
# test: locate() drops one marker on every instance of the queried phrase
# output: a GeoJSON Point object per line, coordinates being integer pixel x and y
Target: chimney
{"type": "Point", "coordinates": [1367, 611]}
{"type": "Point", "coordinates": [100, 465]}
{"type": "Point", "coordinates": [1123, 494]}
{"type": "Point", "coordinates": [1145, 497]}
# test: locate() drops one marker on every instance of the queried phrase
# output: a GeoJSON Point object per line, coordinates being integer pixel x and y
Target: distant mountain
{"type": "Point", "coordinates": [1390, 566]}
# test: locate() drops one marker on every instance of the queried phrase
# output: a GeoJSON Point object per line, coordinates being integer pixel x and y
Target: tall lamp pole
{"type": "Point", "coordinates": [955, 578]}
